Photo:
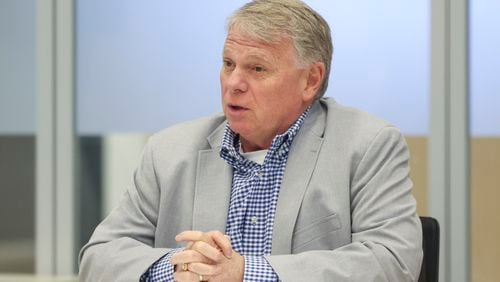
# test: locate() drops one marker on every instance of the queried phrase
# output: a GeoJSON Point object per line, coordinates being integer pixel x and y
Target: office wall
{"type": "Point", "coordinates": [17, 203]}
{"type": "Point", "coordinates": [485, 210]}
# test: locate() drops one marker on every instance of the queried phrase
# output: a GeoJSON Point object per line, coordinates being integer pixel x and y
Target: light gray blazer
{"type": "Point", "coordinates": [345, 210]}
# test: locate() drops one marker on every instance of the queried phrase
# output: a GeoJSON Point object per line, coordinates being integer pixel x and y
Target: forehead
{"type": "Point", "coordinates": [240, 43]}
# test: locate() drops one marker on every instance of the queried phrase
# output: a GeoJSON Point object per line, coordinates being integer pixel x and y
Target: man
{"type": "Point", "coordinates": [285, 185]}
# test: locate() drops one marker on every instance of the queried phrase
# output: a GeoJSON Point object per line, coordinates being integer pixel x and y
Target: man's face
{"type": "Point", "coordinates": [263, 88]}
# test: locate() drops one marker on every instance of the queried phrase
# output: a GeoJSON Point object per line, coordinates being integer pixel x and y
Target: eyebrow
{"type": "Point", "coordinates": [256, 56]}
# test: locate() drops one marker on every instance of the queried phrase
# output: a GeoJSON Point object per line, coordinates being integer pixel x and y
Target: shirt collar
{"type": "Point", "coordinates": [280, 144]}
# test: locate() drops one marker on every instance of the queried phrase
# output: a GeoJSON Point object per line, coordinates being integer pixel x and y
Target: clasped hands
{"type": "Point", "coordinates": [208, 256]}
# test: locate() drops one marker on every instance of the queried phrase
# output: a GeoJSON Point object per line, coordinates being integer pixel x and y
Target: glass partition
{"type": "Point", "coordinates": [17, 135]}
{"type": "Point", "coordinates": [485, 139]}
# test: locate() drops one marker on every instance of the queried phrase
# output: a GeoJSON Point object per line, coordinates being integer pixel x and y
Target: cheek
{"type": "Point", "coordinates": [222, 81]}
{"type": "Point", "coordinates": [223, 92]}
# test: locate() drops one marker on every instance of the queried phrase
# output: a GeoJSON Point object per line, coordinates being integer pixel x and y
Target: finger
{"type": "Point", "coordinates": [208, 251]}
{"type": "Point", "coordinates": [204, 269]}
{"type": "Point", "coordinates": [188, 256]}
{"type": "Point", "coordinates": [189, 276]}
{"type": "Point", "coordinates": [223, 242]}
{"type": "Point", "coordinates": [191, 236]}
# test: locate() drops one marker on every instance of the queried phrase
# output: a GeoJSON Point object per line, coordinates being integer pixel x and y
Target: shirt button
{"type": "Point", "coordinates": [254, 220]}
{"type": "Point", "coordinates": [259, 175]}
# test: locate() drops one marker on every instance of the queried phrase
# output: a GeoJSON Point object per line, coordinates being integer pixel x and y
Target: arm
{"type": "Point", "coordinates": [386, 232]}
{"type": "Point", "coordinates": [121, 248]}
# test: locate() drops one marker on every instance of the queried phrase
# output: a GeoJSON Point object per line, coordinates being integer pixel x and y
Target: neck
{"type": "Point", "coordinates": [264, 142]}
{"type": "Point", "coordinates": [248, 146]}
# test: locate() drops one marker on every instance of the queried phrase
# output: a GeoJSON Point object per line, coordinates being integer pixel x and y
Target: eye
{"type": "Point", "coordinates": [228, 64]}
{"type": "Point", "coordinates": [259, 69]}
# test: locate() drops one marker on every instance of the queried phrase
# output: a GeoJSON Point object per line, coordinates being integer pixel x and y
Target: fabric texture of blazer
{"type": "Point", "coordinates": [345, 210]}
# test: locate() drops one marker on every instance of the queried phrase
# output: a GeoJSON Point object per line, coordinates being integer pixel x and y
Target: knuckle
{"type": "Point", "coordinates": [218, 256]}
{"type": "Point", "coordinates": [198, 245]}
{"type": "Point", "coordinates": [217, 269]}
{"type": "Point", "coordinates": [205, 269]}
{"type": "Point", "coordinates": [217, 233]}
{"type": "Point", "coordinates": [212, 270]}
{"type": "Point", "coordinates": [174, 258]}
{"type": "Point", "coordinates": [189, 255]}
{"type": "Point", "coordinates": [197, 256]}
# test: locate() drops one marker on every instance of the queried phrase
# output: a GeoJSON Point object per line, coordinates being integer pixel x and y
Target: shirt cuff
{"type": "Point", "coordinates": [259, 270]}
{"type": "Point", "coordinates": [162, 269]}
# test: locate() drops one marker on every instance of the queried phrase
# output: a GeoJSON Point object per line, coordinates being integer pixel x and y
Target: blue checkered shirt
{"type": "Point", "coordinates": [254, 196]}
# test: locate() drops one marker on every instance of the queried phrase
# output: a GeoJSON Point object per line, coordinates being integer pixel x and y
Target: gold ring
{"type": "Point", "coordinates": [201, 278]}
{"type": "Point", "coordinates": [185, 266]}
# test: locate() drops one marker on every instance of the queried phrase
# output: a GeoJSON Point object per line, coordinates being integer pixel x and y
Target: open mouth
{"type": "Point", "coordinates": [237, 108]}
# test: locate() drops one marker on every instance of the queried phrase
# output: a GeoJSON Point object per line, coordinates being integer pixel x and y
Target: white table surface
{"type": "Point", "coordinates": [35, 278]}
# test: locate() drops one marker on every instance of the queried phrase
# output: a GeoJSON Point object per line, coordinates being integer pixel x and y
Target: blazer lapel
{"type": "Point", "coordinates": [213, 187]}
{"type": "Point", "coordinates": [214, 179]}
{"type": "Point", "coordinates": [300, 165]}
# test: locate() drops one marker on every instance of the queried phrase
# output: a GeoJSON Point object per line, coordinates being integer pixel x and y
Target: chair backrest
{"type": "Point", "coordinates": [430, 264]}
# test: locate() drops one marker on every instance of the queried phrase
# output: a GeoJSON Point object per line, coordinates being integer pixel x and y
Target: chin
{"type": "Point", "coordinates": [239, 128]}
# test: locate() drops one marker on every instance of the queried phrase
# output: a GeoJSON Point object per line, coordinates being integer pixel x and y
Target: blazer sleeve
{"type": "Point", "coordinates": [386, 232]}
{"type": "Point", "coordinates": [121, 247]}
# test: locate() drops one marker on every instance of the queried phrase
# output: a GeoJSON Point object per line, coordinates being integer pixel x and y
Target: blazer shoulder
{"type": "Point", "coordinates": [190, 134]}
{"type": "Point", "coordinates": [352, 132]}
{"type": "Point", "coordinates": [353, 124]}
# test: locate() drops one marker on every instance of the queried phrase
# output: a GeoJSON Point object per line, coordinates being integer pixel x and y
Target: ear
{"type": "Point", "coordinates": [314, 80]}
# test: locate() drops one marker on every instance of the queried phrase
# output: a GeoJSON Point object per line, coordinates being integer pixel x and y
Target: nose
{"type": "Point", "coordinates": [235, 81]}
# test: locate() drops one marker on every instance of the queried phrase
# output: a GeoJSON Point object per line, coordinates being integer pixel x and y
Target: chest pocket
{"type": "Point", "coordinates": [317, 234]}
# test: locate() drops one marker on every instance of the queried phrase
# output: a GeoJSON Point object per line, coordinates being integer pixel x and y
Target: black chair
{"type": "Point", "coordinates": [430, 264]}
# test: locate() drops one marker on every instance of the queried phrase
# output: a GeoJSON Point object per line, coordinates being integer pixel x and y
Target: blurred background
{"type": "Point", "coordinates": [83, 83]}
